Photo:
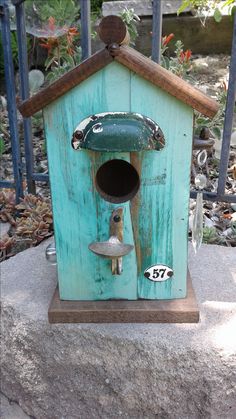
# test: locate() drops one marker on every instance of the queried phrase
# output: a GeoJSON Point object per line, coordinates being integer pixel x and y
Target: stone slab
{"type": "Point", "coordinates": [10, 409]}
{"type": "Point", "coordinates": [119, 370]}
{"type": "Point", "coordinates": [140, 7]}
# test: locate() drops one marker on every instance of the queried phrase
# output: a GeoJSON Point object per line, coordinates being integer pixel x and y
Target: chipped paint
{"type": "Point", "coordinates": [119, 131]}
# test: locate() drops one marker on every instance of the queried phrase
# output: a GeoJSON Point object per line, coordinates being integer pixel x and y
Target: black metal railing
{"type": "Point", "coordinates": [21, 171]}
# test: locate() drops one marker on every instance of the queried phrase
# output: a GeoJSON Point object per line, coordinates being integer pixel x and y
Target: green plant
{"type": "Point", "coordinates": [215, 124]}
{"type": "Point", "coordinates": [96, 6]}
{"type": "Point", "coordinates": [180, 64]}
{"type": "Point", "coordinates": [7, 206]}
{"type": "Point", "coordinates": [36, 221]}
{"type": "Point", "coordinates": [204, 6]}
{"type": "Point", "coordinates": [64, 11]}
{"type": "Point", "coordinates": [130, 19]}
{"type": "Point", "coordinates": [2, 146]}
{"type": "Point", "coordinates": [63, 53]}
{"type": "Point", "coordinates": [67, 65]}
{"type": "Point", "coordinates": [14, 48]}
{"type": "Point", "coordinates": [210, 235]}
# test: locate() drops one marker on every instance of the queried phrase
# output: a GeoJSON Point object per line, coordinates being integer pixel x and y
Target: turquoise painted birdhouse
{"type": "Point", "coordinates": [119, 131]}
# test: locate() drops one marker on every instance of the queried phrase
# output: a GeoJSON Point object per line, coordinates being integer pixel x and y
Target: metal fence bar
{"type": "Point", "coordinates": [11, 98]}
{"type": "Point", "coordinates": [7, 184]}
{"type": "Point", "coordinates": [40, 177]}
{"type": "Point", "coordinates": [24, 92]}
{"type": "Point", "coordinates": [228, 122]}
{"type": "Point", "coordinates": [212, 196]}
{"type": "Point", "coordinates": [156, 30]}
{"type": "Point", "coordinates": [86, 51]}
{"type": "Point", "coordinates": [85, 28]}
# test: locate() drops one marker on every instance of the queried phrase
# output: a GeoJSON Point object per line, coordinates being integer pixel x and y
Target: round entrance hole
{"type": "Point", "coordinates": [117, 181]}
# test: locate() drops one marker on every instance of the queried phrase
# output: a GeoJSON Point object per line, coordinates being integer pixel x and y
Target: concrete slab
{"type": "Point", "coordinates": [110, 370]}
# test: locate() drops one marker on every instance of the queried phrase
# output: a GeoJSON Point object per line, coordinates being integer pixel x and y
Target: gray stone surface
{"type": "Point", "coordinates": [11, 410]}
{"type": "Point", "coordinates": [133, 371]}
{"type": "Point", "coordinates": [140, 7]}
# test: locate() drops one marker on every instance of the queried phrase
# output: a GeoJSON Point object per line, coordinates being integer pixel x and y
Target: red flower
{"type": "Point", "coordinates": [184, 57]}
{"type": "Point", "coordinates": [188, 54]}
{"type": "Point", "coordinates": [167, 39]}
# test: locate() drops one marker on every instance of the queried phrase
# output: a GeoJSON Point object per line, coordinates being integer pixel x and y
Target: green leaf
{"type": "Point", "coordinates": [165, 62]}
{"type": "Point", "coordinates": [2, 146]}
{"type": "Point", "coordinates": [217, 15]}
{"type": "Point", "coordinates": [202, 121]}
{"type": "Point", "coordinates": [217, 132]}
{"type": "Point", "coordinates": [48, 62]}
{"type": "Point", "coordinates": [184, 5]}
{"type": "Point", "coordinates": [228, 2]}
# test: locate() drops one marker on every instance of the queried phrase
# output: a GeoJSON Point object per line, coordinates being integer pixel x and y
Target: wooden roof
{"type": "Point", "coordinates": [131, 59]}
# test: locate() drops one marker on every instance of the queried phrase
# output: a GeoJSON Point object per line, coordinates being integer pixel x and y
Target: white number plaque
{"type": "Point", "coordinates": [158, 273]}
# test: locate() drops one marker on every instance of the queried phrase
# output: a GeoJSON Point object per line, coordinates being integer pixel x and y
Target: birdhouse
{"type": "Point", "coordinates": [119, 131]}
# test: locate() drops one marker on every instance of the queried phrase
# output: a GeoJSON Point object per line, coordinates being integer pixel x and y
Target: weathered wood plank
{"type": "Point", "coordinates": [81, 216]}
{"type": "Point", "coordinates": [61, 86]}
{"type": "Point", "coordinates": [155, 221]}
{"type": "Point", "coordinates": [141, 311]}
{"type": "Point", "coordinates": [166, 80]}
{"type": "Point", "coordinates": [160, 212]}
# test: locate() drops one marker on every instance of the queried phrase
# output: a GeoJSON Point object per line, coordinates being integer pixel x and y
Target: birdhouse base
{"type": "Point", "coordinates": [184, 310]}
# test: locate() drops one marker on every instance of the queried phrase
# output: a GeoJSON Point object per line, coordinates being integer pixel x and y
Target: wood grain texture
{"type": "Point", "coordinates": [176, 311]}
{"type": "Point", "coordinates": [160, 210]}
{"type": "Point", "coordinates": [71, 79]}
{"type": "Point", "coordinates": [166, 80]}
{"type": "Point", "coordinates": [136, 62]}
{"type": "Point", "coordinates": [112, 29]}
{"type": "Point", "coordinates": [81, 215]}
{"type": "Point", "coordinates": [155, 221]}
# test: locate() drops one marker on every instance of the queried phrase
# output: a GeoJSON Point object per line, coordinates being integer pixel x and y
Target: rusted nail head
{"type": "Point", "coordinates": [79, 135]}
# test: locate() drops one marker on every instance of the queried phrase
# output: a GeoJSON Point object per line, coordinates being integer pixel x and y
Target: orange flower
{"type": "Point", "coordinates": [49, 43]}
{"type": "Point", "coordinates": [184, 57]}
{"type": "Point", "coordinates": [51, 23]}
{"type": "Point", "coordinates": [167, 39]}
{"type": "Point", "coordinates": [188, 54]}
{"type": "Point", "coordinates": [73, 31]}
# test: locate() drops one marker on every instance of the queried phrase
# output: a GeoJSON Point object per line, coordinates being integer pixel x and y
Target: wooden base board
{"type": "Point", "coordinates": [184, 310]}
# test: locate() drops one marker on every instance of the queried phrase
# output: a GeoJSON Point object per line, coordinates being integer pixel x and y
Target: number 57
{"type": "Point", "coordinates": [158, 272]}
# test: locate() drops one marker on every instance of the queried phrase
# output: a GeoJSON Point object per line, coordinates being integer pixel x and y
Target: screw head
{"type": "Point", "coordinates": [79, 135]}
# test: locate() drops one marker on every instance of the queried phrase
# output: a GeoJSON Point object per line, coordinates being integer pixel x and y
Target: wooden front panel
{"type": "Point", "coordinates": [161, 220]}
{"type": "Point", "coordinates": [155, 221]}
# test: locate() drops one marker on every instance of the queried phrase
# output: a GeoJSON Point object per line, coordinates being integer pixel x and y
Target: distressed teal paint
{"type": "Point", "coordinates": [81, 216]}
{"type": "Point", "coordinates": [163, 239]}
